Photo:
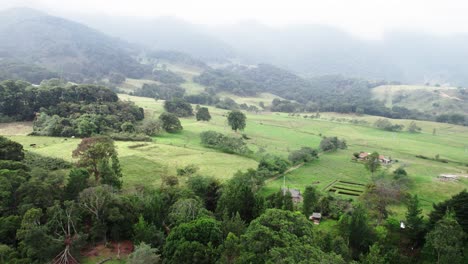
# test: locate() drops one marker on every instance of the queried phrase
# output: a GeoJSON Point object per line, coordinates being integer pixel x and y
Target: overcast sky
{"type": "Point", "coordinates": [366, 18]}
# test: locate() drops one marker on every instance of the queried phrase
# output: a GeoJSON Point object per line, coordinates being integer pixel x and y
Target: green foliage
{"type": "Point", "coordinates": [188, 170]}
{"type": "Point", "coordinates": [356, 230]}
{"type": "Point", "coordinates": [285, 106]}
{"type": "Point", "coordinates": [91, 152]}
{"type": "Point", "coordinates": [458, 203]}
{"type": "Point", "coordinates": [147, 233]}
{"type": "Point", "coordinates": [207, 188]}
{"type": "Point", "coordinates": [170, 122]}
{"type": "Point", "coordinates": [305, 154]}
{"type": "Point", "coordinates": [166, 76]}
{"type": "Point", "coordinates": [193, 242]}
{"type": "Point", "coordinates": [372, 163]}
{"type": "Point", "coordinates": [239, 196]}
{"type": "Point", "coordinates": [332, 144]}
{"type": "Point", "coordinates": [10, 150]}
{"type": "Point", "coordinates": [272, 165]}
{"type": "Point", "coordinates": [224, 143]}
{"type": "Point", "coordinates": [310, 201]}
{"type": "Point", "coordinates": [186, 210]}
{"type": "Point", "coordinates": [203, 114]}
{"type": "Point", "coordinates": [386, 125]}
{"type": "Point", "coordinates": [179, 107]}
{"type": "Point", "coordinates": [150, 127]}
{"type": "Point", "coordinates": [279, 236]}
{"type": "Point", "coordinates": [77, 182]}
{"type": "Point", "coordinates": [144, 254]}
{"type": "Point", "coordinates": [414, 219]}
{"type": "Point", "coordinates": [162, 91]}
{"type": "Point", "coordinates": [34, 160]}
{"type": "Point", "coordinates": [445, 241]}
{"type": "Point", "coordinates": [414, 128]}
{"type": "Point", "coordinates": [236, 119]}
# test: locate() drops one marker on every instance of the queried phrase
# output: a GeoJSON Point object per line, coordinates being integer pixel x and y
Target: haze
{"type": "Point", "coordinates": [365, 18]}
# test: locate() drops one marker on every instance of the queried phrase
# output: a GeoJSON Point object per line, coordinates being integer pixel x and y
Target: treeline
{"type": "Point", "coordinates": [60, 109]}
{"type": "Point", "coordinates": [332, 93]}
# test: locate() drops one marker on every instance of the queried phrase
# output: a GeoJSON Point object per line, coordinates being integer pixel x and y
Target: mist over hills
{"type": "Point", "coordinates": [79, 49]}
{"type": "Point", "coordinates": [310, 50]}
{"type": "Point", "coordinates": [63, 46]}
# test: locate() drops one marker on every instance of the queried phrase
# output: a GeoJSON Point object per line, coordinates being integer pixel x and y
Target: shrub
{"type": "Point", "coordinates": [224, 143]}
{"type": "Point", "coordinates": [386, 125]}
{"type": "Point", "coordinates": [332, 144]}
{"type": "Point", "coordinates": [34, 160]}
{"type": "Point", "coordinates": [170, 122]}
{"type": "Point", "coordinates": [305, 154]}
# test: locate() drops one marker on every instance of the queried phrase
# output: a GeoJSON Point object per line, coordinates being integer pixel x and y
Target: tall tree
{"type": "Point", "coordinates": [170, 122]}
{"type": "Point", "coordinates": [92, 151]}
{"type": "Point", "coordinates": [414, 219]}
{"type": "Point", "coordinates": [203, 114]}
{"type": "Point", "coordinates": [10, 150]}
{"type": "Point", "coordinates": [310, 201]}
{"type": "Point", "coordinates": [445, 241]}
{"type": "Point", "coordinates": [372, 163]}
{"type": "Point", "coordinates": [357, 231]}
{"type": "Point", "coordinates": [77, 182]}
{"type": "Point", "coordinates": [236, 120]}
{"type": "Point", "coordinates": [144, 254]}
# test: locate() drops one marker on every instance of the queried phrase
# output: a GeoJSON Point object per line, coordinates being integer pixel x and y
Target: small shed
{"type": "Point", "coordinates": [316, 217]}
{"type": "Point", "coordinates": [295, 194]}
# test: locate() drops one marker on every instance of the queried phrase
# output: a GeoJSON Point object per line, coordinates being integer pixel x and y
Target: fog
{"type": "Point", "coordinates": [364, 18]}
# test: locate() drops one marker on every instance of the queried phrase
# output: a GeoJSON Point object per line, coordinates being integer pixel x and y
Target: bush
{"type": "Point", "coordinates": [203, 114]}
{"type": "Point", "coordinates": [170, 122]}
{"type": "Point", "coordinates": [34, 160]}
{"type": "Point", "coordinates": [224, 143]}
{"type": "Point", "coordinates": [305, 154]}
{"type": "Point", "coordinates": [130, 137]}
{"type": "Point", "coordinates": [273, 165]}
{"type": "Point", "coordinates": [150, 127]}
{"type": "Point", "coordinates": [332, 144]}
{"type": "Point", "coordinates": [179, 107]}
{"type": "Point", "coordinates": [386, 125]}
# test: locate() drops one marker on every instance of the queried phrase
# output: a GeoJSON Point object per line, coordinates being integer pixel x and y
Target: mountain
{"type": "Point", "coordinates": [164, 33]}
{"type": "Point", "coordinates": [66, 47]}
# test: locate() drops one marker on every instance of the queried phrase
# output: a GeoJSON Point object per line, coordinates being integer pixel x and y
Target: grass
{"type": "Point", "coordinates": [422, 98]}
{"type": "Point", "coordinates": [279, 134]}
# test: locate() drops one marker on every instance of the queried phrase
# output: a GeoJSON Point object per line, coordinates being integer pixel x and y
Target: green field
{"type": "Point", "coordinates": [278, 133]}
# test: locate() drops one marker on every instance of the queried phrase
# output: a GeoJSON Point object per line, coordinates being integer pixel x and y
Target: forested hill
{"type": "Point", "coordinates": [71, 49]}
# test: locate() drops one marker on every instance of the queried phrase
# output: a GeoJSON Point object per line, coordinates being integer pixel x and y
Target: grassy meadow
{"type": "Point", "coordinates": [144, 163]}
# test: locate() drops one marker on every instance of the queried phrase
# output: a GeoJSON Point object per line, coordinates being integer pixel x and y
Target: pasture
{"type": "Point", "coordinates": [279, 134]}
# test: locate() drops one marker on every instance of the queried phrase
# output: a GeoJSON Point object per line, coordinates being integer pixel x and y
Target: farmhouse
{"type": "Point", "coordinates": [316, 218]}
{"type": "Point", "coordinates": [384, 160]}
{"type": "Point", "coordinates": [295, 194]}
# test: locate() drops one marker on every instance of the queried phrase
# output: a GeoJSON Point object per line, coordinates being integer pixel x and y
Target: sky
{"type": "Point", "coordinates": [365, 18]}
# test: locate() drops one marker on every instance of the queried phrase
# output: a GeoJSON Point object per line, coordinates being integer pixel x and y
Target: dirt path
{"type": "Point", "coordinates": [286, 172]}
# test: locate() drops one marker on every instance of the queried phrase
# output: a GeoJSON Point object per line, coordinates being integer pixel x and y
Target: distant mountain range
{"type": "Point", "coordinates": [84, 50]}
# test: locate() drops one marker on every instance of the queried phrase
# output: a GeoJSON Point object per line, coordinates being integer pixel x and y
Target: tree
{"type": "Point", "coordinates": [179, 107]}
{"type": "Point", "coordinates": [356, 230]}
{"type": "Point", "coordinates": [77, 182]}
{"type": "Point", "coordinates": [305, 154]}
{"type": "Point", "coordinates": [372, 163]}
{"type": "Point", "coordinates": [150, 127]}
{"type": "Point", "coordinates": [92, 151]}
{"type": "Point", "coordinates": [144, 254]}
{"type": "Point", "coordinates": [332, 144]}
{"type": "Point", "coordinates": [186, 210]}
{"type": "Point", "coordinates": [239, 197]}
{"type": "Point", "coordinates": [10, 150]}
{"type": "Point", "coordinates": [279, 236]}
{"type": "Point", "coordinates": [170, 122]}
{"type": "Point", "coordinates": [110, 175]}
{"type": "Point", "coordinates": [445, 241]}
{"type": "Point", "coordinates": [310, 201]}
{"type": "Point", "coordinates": [458, 203]}
{"type": "Point", "coordinates": [203, 114]}
{"type": "Point", "coordinates": [144, 232]}
{"type": "Point", "coordinates": [414, 219]}
{"type": "Point", "coordinates": [193, 242]}
{"type": "Point", "coordinates": [236, 119]}
{"type": "Point", "coordinates": [413, 127]}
